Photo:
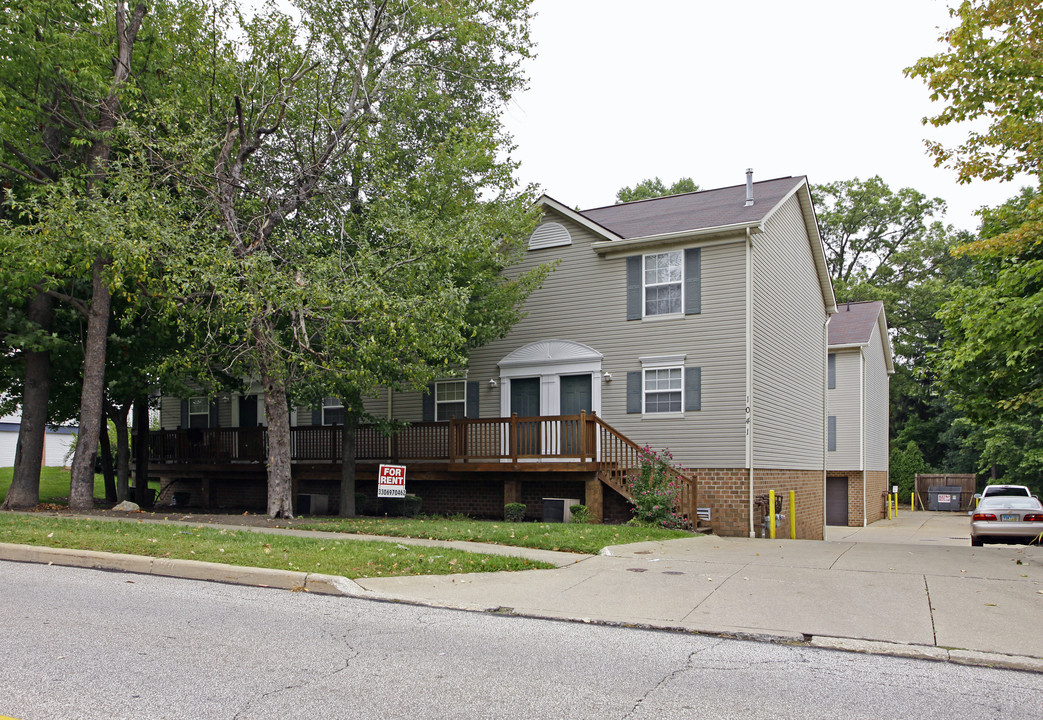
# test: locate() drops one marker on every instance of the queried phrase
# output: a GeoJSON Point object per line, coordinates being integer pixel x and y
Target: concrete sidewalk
{"type": "Point", "coordinates": [910, 586]}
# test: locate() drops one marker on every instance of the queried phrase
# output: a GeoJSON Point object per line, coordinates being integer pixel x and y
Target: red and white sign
{"type": "Point", "coordinates": [391, 481]}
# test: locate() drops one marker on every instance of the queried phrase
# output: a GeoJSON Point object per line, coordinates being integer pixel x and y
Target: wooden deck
{"type": "Point", "coordinates": [514, 445]}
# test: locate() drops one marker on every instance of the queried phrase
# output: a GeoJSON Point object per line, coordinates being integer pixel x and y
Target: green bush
{"type": "Point", "coordinates": [656, 494]}
{"type": "Point", "coordinates": [411, 505]}
{"type": "Point", "coordinates": [360, 503]}
{"type": "Point", "coordinates": [905, 463]}
{"type": "Point", "coordinates": [514, 512]}
{"type": "Point", "coordinates": [580, 514]}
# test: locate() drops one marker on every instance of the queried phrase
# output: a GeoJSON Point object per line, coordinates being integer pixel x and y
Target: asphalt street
{"type": "Point", "coordinates": [80, 643]}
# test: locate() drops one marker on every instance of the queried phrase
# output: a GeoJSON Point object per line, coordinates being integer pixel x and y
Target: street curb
{"type": "Point", "coordinates": [928, 652]}
{"type": "Point", "coordinates": [184, 569]}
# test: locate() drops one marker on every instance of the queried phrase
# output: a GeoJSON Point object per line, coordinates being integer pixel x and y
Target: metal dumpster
{"type": "Point", "coordinates": [944, 497]}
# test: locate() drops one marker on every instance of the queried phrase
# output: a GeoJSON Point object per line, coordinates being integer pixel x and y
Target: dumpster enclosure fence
{"type": "Point", "coordinates": [967, 483]}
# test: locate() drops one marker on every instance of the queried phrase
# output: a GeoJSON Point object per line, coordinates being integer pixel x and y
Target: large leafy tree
{"type": "Point", "coordinates": [363, 212]}
{"type": "Point", "coordinates": [991, 74]}
{"type": "Point", "coordinates": [653, 188]}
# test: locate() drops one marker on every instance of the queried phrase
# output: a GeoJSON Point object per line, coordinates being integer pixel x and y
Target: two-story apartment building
{"type": "Point", "coordinates": [693, 322]}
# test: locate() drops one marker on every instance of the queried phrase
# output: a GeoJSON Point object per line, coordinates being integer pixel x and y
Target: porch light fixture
{"type": "Point", "coordinates": [607, 377]}
{"type": "Point", "coordinates": [493, 383]}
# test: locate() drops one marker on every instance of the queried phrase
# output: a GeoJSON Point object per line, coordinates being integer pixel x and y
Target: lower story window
{"type": "Point", "coordinates": [332, 411]}
{"type": "Point", "coordinates": [450, 399]}
{"type": "Point", "coordinates": [663, 388]}
{"type": "Point", "coordinates": [199, 412]}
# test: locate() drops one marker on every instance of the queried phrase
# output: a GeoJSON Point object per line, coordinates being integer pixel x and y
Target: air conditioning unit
{"type": "Point", "coordinates": [557, 509]}
{"type": "Point", "coordinates": [313, 504]}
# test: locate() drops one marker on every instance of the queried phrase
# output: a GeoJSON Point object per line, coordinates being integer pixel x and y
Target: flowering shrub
{"type": "Point", "coordinates": [656, 493]}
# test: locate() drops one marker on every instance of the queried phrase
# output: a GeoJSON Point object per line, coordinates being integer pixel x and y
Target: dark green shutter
{"type": "Point", "coordinates": [471, 406]}
{"type": "Point", "coordinates": [184, 414]}
{"type": "Point", "coordinates": [693, 274]}
{"type": "Point", "coordinates": [831, 370]}
{"type": "Point", "coordinates": [213, 413]}
{"type": "Point", "coordinates": [316, 416]}
{"type": "Point", "coordinates": [634, 288]}
{"type": "Point", "coordinates": [634, 392]}
{"type": "Point", "coordinates": [428, 402]}
{"type": "Point", "coordinates": [693, 388]}
{"type": "Point", "coordinates": [831, 432]}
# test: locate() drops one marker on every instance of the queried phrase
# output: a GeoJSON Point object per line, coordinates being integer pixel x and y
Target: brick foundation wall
{"type": "Point", "coordinates": [809, 486]}
{"type": "Point", "coordinates": [876, 488]}
{"type": "Point", "coordinates": [726, 492]}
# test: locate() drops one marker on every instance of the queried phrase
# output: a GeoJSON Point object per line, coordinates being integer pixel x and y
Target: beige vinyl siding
{"type": "Point", "coordinates": [845, 403]}
{"type": "Point", "coordinates": [584, 300]}
{"type": "Point", "coordinates": [789, 357]}
{"type": "Point", "coordinates": [169, 412]}
{"type": "Point", "coordinates": [877, 404]}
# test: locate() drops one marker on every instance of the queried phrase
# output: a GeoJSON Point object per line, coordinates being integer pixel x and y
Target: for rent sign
{"type": "Point", "coordinates": [391, 481]}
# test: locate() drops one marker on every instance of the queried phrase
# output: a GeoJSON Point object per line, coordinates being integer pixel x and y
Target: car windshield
{"type": "Point", "coordinates": [1015, 503]}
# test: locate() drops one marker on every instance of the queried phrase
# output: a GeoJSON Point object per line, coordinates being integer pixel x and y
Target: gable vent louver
{"type": "Point", "coordinates": [548, 235]}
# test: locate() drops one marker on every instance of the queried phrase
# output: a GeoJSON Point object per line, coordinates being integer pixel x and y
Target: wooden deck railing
{"type": "Point", "coordinates": [583, 438]}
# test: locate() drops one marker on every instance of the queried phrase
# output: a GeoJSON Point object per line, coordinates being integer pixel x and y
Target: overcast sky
{"type": "Point", "coordinates": [624, 90]}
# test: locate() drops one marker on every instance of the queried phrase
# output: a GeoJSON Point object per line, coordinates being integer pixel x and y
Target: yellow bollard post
{"type": "Point", "coordinates": [912, 502]}
{"type": "Point", "coordinates": [792, 515]}
{"type": "Point", "coordinates": [896, 505]}
{"type": "Point", "coordinates": [888, 507]}
{"type": "Point", "coordinates": [771, 514]}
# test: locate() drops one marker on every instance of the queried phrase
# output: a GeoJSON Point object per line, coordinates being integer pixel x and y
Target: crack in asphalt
{"type": "Point", "coordinates": [667, 678]}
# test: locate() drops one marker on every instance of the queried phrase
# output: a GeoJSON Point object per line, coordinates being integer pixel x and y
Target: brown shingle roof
{"type": "Point", "coordinates": [854, 322]}
{"type": "Point", "coordinates": [693, 211]}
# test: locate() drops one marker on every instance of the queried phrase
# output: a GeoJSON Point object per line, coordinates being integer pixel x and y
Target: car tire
{"type": "Point", "coordinates": [977, 542]}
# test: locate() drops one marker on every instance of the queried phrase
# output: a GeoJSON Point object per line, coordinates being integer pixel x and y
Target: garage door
{"type": "Point", "coordinates": [836, 501]}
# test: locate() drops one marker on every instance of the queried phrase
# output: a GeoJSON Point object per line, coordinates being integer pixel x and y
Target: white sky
{"type": "Point", "coordinates": [624, 90]}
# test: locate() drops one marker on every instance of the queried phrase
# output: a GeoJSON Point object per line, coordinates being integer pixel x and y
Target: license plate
{"type": "Point", "coordinates": [1009, 518]}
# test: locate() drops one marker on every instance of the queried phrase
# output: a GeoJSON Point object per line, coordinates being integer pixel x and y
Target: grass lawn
{"type": "Point", "coordinates": [567, 537]}
{"type": "Point", "coordinates": [54, 485]}
{"type": "Point", "coordinates": [350, 558]}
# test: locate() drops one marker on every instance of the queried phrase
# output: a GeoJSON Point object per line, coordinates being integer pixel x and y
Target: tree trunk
{"type": "Point", "coordinates": [280, 480]}
{"type": "Point", "coordinates": [25, 483]}
{"type": "Point", "coordinates": [81, 490]}
{"type": "Point", "coordinates": [105, 449]}
{"type": "Point", "coordinates": [141, 429]}
{"type": "Point", "coordinates": [119, 419]}
{"type": "Point", "coordinates": [347, 470]}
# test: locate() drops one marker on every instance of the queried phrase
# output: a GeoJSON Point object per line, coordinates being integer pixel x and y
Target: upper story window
{"type": "Point", "coordinates": [663, 390]}
{"type": "Point", "coordinates": [199, 412]}
{"type": "Point", "coordinates": [450, 399]}
{"type": "Point", "coordinates": [664, 284]}
{"type": "Point", "coordinates": [664, 274]}
{"type": "Point", "coordinates": [332, 411]}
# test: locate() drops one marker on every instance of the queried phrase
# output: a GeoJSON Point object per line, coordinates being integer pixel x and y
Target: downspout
{"type": "Point", "coordinates": [825, 417]}
{"type": "Point", "coordinates": [862, 431]}
{"type": "Point", "coordinates": [749, 374]}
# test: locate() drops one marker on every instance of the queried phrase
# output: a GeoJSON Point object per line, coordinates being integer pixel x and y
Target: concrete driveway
{"type": "Point", "coordinates": [910, 528]}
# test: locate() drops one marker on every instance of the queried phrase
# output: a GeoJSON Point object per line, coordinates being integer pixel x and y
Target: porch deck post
{"type": "Point", "coordinates": [595, 499]}
{"type": "Point", "coordinates": [453, 439]}
{"type": "Point", "coordinates": [514, 437]}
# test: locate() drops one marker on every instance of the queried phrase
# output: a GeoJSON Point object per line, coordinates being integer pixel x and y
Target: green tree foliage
{"type": "Point", "coordinates": [364, 216]}
{"type": "Point", "coordinates": [991, 76]}
{"type": "Point", "coordinates": [905, 462]}
{"type": "Point", "coordinates": [647, 189]}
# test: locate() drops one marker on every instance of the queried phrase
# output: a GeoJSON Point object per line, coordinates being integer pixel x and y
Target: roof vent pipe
{"type": "Point", "coordinates": [749, 187]}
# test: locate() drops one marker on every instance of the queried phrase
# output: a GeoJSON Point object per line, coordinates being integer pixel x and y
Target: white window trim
{"type": "Point", "coordinates": [661, 362]}
{"type": "Point", "coordinates": [336, 405]}
{"type": "Point", "coordinates": [463, 401]}
{"type": "Point", "coordinates": [645, 286]}
{"type": "Point", "coordinates": [205, 413]}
